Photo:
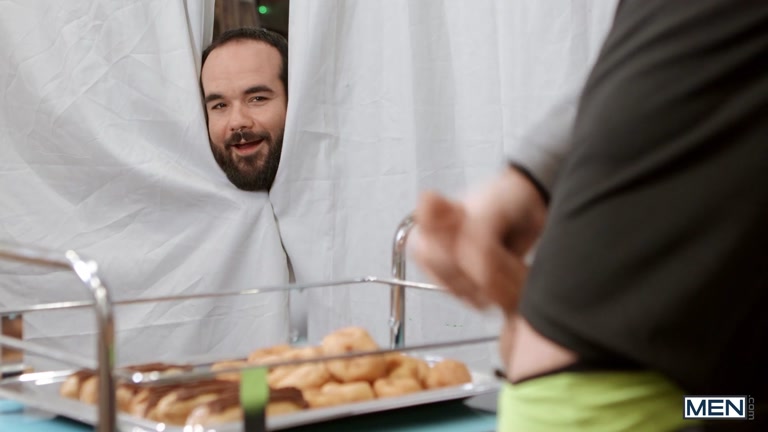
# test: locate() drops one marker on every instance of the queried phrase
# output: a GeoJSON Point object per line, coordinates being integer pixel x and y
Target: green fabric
{"type": "Point", "coordinates": [592, 401]}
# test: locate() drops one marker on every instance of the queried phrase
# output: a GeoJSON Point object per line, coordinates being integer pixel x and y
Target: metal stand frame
{"type": "Point", "coordinates": [87, 272]}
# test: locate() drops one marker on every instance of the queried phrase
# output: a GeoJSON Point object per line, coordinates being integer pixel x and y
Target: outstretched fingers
{"type": "Point", "coordinates": [436, 243]}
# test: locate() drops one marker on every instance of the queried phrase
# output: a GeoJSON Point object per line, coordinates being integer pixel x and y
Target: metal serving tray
{"type": "Point", "coordinates": [41, 390]}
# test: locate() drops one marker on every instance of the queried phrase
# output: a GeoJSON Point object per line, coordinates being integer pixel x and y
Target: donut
{"type": "Point", "coordinates": [367, 368]}
{"type": "Point", "coordinates": [278, 374]}
{"type": "Point", "coordinates": [204, 415]}
{"type": "Point", "coordinates": [226, 408]}
{"type": "Point", "coordinates": [349, 340]}
{"type": "Point", "coordinates": [70, 388]}
{"type": "Point", "coordinates": [89, 390]}
{"type": "Point", "coordinates": [229, 364]}
{"type": "Point", "coordinates": [302, 353]}
{"type": "Point", "coordinates": [124, 396]}
{"type": "Point", "coordinates": [304, 376]}
{"type": "Point", "coordinates": [283, 407]}
{"type": "Point", "coordinates": [289, 355]}
{"type": "Point", "coordinates": [159, 367]}
{"type": "Point", "coordinates": [274, 351]}
{"type": "Point", "coordinates": [333, 393]}
{"type": "Point", "coordinates": [310, 384]}
{"type": "Point", "coordinates": [316, 373]}
{"type": "Point", "coordinates": [398, 386]}
{"type": "Point", "coordinates": [84, 384]}
{"type": "Point", "coordinates": [126, 392]}
{"type": "Point", "coordinates": [403, 366]}
{"type": "Point", "coordinates": [447, 373]}
{"type": "Point", "coordinates": [176, 406]}
{"type": "Point", "coordinates": [144, 402]}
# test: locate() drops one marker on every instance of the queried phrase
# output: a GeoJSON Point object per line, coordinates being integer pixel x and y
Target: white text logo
{"type": "Point", "coordinates": [718, 407]}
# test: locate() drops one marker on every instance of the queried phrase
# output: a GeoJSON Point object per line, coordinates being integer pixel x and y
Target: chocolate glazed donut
{"type": "Point", "coordinates": [226, 408]}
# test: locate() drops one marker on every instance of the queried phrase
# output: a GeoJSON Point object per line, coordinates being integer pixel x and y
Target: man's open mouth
{"type": "Point", "coordinates": [246, 147]}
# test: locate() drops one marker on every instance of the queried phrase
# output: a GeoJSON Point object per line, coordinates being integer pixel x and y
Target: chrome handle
{"type": "Point", "coordinates": [87, 272]}
{"type": "Point", "coordinates": [397, 292]}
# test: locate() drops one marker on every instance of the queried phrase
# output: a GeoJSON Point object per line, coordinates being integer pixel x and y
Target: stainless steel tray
{"type": "Point", "coordinates": [41, 390]}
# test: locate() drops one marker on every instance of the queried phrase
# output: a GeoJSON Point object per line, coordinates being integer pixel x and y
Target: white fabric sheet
{"type": "Point", "coordinates": [103, 149]}
{"type": "Point", "coordinates": [392, 97]}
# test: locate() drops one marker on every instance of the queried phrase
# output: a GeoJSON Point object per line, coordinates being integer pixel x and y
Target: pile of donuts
{"type": "Point", "coordinates": [295, 387]}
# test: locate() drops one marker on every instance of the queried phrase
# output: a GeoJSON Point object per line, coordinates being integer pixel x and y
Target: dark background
{"type": "Point", "coordinates": [270, 14]}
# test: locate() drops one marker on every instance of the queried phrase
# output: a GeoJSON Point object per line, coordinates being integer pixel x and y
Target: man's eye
{"type": "Point", "coordinates": [257, 99]}
{"type": "Point", "coordinates": [217, 106]}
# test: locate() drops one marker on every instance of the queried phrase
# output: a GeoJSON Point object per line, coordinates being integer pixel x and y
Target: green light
{"type": "Point", "coordinates": [263, 10]}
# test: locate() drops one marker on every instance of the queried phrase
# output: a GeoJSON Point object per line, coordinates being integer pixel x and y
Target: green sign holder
{"type": "Point", "coordinates": [254, 396]}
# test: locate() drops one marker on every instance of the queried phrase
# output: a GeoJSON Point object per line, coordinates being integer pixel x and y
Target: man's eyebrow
{"type": "Point", "coordinates": [212, 97]}
{"type": "Point", "coordinates": [258, 89]}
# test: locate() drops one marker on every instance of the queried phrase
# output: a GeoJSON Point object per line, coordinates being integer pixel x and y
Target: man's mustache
{"type": "Point", "coordinates": [241, 136]}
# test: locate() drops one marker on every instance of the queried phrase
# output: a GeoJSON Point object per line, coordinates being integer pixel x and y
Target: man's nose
{"type": "Point", "coordinates": [240, 119]}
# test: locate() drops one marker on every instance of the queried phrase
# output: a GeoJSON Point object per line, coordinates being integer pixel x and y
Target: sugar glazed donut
{"type": "Point", "coordinates": [350, 340]}
{"type": "Point", "coordinates": [397, 386]}
{"type": "Point", "coordinates": [304, 376]}
{"type": "Point", "coordinates": [333, 393]}
{"type": "Point", "coordinates": [404, 375]}
{"type": "Point", "coordinates": [403, 366]}
{"type": "Point", "coordinates": [260, 355]}
{"type": "Point", "coordinates": [301, 376]}
{"type": "Point", "coordinates": [448, 373]}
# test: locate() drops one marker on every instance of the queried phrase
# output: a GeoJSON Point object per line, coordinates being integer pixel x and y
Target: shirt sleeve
{"type": "Point", "coordinates": [544, 147]}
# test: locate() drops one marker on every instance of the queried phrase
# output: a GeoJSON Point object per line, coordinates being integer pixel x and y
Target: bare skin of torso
{"type": "Point", "coordinates": [527, 353]}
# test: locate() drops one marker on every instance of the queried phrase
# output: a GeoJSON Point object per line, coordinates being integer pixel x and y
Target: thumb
{"type": "Point", "coordinates": [435, 214]}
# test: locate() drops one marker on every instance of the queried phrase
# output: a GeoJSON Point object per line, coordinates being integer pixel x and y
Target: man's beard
{"type": "Point", "coordinates": [244, 172]}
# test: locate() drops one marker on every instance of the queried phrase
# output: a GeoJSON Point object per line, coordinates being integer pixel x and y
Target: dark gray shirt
{"type": "Point", "coordinates": [656, 249]}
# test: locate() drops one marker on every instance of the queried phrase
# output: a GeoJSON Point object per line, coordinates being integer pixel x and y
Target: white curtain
{"type": "Point", "coordinates": [388, 98]}
{"type": "Point", "coordinates": [103, 149]}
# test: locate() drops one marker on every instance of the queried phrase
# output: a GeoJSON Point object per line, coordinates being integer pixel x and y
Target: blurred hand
{"type": "Point", "coordinates": [476, 248]}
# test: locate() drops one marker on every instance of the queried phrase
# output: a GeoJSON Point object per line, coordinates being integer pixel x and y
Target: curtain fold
{"type": "Point", "coordinates": [391, 98]}
{"type": "Point", "coordinates": [103, 149]}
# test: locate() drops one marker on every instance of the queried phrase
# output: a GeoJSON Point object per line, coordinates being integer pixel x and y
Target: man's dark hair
{"type": "Point", "coordinates": [258, 34]}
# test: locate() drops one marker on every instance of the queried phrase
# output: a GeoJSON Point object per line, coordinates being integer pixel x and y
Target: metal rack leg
{"type": "Point", "coordinates": [397, 293]}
